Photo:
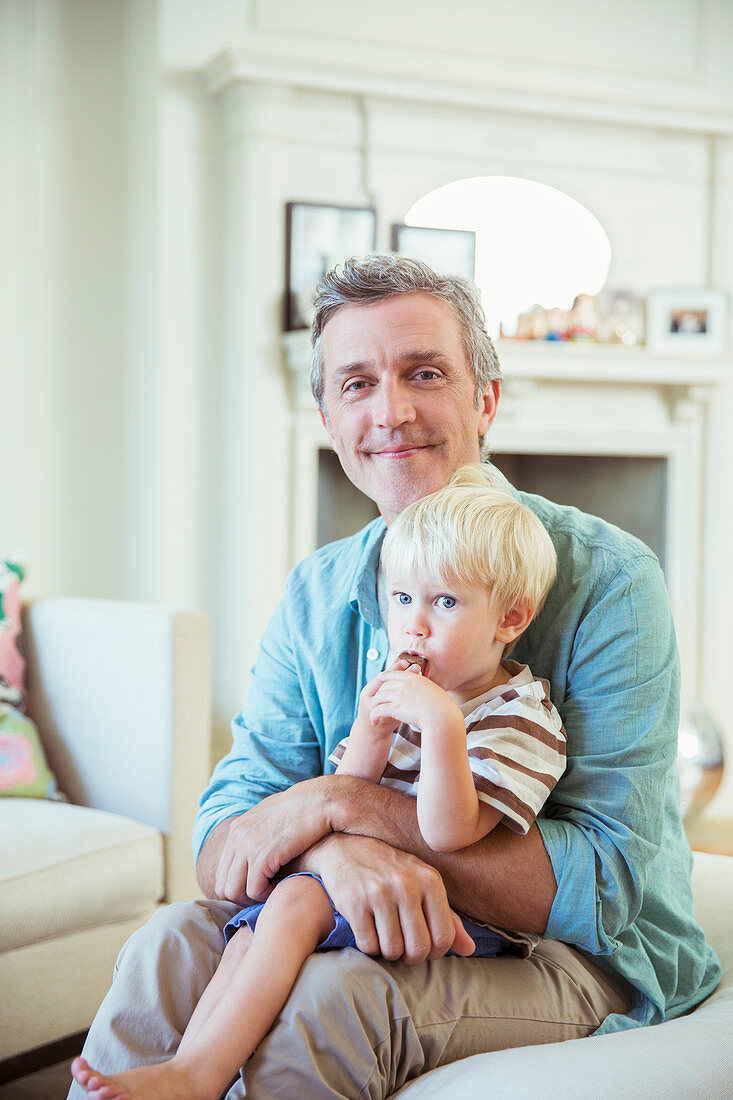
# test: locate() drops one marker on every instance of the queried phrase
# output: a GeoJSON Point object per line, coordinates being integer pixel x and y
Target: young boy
{"type": "Point", "coordinates": [472, 735]}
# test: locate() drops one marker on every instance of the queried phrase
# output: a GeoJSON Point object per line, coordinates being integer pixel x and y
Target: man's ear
{"type": "Point", "coordinates": [490, 403]}
{"type": "Point", "coordinates": [514, 622]}
{"type": "Point", "coordinates": [325, 423]}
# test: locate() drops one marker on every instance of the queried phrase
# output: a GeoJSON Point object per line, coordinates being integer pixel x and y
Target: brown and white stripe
{"type": "Point", "coordinates": [516, 748]}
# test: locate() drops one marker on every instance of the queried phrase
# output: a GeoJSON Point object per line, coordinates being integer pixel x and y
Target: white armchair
{"type": "Point", "coordinates": [120, 693]}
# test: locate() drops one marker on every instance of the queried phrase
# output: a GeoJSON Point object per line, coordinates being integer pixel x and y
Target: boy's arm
{"type": "Point", "coordinates": [449, 811]}
{"type": "Point", "coordinates": [363, 754]}
{"type": "Point", "coordinates": [366, 750]}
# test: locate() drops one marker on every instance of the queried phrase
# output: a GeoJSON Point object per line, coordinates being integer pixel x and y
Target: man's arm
{"type": "Point", "coordinates": [505, 879]}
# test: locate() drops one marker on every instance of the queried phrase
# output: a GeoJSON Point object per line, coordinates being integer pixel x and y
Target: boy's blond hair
{"type": "Point", "coordinates": [473, 533]}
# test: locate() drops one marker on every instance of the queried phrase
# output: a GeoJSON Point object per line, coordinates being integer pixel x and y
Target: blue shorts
{"type": "Point", "coordinates": [489, 944]}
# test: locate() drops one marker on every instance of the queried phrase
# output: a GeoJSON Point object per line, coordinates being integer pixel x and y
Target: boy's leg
{"type": "Point", "coordinates": [254, 981]}
{"type": "Point", "coordinates": [381, 1023]}
{"type": "Point", "coordinates": [160, 976]}
{"type": "Point", "coordinates": [239, 1006]}
{"type": "Point", "coordinates": [216, 990]}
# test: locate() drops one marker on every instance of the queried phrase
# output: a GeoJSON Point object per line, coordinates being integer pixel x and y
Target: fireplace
{"type": "Point", "coordinates": [292, 131]}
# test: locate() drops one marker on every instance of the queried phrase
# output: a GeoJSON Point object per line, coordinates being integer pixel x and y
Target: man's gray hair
{"type": "Point", "coordinates": [366, 279]}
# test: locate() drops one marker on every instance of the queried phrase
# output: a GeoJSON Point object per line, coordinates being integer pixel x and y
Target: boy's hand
{"type": "Point", "coordinates": [407, 696]}
{"type": "Point", "coordinates": [376, 728]}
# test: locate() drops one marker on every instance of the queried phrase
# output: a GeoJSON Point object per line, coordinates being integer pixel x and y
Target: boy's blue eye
{"type": "Point", "coordinates": [404, 598]}
{"type": "Point", "coordinates": [448, 601]}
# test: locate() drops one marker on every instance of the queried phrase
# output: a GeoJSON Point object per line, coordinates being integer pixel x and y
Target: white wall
{"type": "Point", "coordinates": [62, 203]}
{"type": "Point", "coordinates": [140, 397]}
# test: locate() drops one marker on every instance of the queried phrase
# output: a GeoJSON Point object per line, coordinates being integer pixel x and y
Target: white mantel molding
{"type": "Point", "coordinates": [365, 71]}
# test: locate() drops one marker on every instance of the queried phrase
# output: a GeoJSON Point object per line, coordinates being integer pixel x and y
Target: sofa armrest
{"type": "Point", "coordinates": [120, 693]}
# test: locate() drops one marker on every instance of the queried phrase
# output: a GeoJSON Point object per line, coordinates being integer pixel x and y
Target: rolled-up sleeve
{"type": "Point", "coordinates": [604, 821]}
{"type": "Point", "coordinates": [275, 743]}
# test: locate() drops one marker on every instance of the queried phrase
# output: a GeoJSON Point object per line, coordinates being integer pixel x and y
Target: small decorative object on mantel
{"type": "Point", "coordinates": [686, 322]}
{"type": "Point", "coordinates": [699, 759]}
{"type": "Point", "coordinates": [582, 321]}
{"type": "Point", "coordinates": [613, 316]}
{"type": "Point", "coordinates": [619, 317]}
{"type": "Point", "coordinates": [318, 237]}
{"type": "Point", "coordinates": [539, 323]}
{"type": "Point", "coordinates": [447, 251]}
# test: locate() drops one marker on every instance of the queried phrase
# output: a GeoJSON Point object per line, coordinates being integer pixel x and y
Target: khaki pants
{"type": "Point", "coordinates": [354, 1027]}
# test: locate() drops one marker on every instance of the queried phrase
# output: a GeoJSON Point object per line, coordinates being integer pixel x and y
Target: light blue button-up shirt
{"type": "Point", "coordinates": [612, 828]}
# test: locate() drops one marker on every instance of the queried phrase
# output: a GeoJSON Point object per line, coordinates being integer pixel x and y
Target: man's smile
{"type": "Point", "coordinates": [398, 450]}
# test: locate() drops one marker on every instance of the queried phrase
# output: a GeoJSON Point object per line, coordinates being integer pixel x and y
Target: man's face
{"type": "Point", "coordinates": [399, 398]}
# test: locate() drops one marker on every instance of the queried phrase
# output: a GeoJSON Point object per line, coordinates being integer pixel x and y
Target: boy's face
{"type": "Point", "coordinates": [453, 626]}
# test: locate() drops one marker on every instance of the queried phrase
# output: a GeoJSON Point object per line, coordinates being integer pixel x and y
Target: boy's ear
{"type": "Point", "coordinates": [514, 622]}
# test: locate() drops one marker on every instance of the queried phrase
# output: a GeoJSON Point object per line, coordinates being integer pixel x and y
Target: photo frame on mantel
{"type": "Point", "coordinates": [447, 251]}
{"type": "Point", "coordinates": [686, 322]}
{"type": "Point", "coordinates": [317, 237]}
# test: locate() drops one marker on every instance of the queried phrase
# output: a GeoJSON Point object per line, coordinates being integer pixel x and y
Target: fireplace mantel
{"type": "Point", "coordinates": [571, 363]}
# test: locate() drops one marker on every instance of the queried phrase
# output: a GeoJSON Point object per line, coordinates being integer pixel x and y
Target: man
{"type": "Point", "coordinates": [407, 383]}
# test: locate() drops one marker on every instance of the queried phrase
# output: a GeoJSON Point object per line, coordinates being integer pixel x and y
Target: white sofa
{"type": "Point", "coordinates": [120, 693]}
{"type": "Point", "coordinates": [686, 1059]}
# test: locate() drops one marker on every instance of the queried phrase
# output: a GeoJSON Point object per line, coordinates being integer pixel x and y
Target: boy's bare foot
{"type": "Point", "coordinates": [165, 1081]}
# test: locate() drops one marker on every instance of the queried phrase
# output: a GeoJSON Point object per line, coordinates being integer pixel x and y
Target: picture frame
{"type": "Point", "coordinates": [686, 322]}
{"type": "Point", "coordinates": [620, 316]}
{"type": "Point", "coordinates": [317, 237]}
{"type": "Point", "coordinates": [447, 251]}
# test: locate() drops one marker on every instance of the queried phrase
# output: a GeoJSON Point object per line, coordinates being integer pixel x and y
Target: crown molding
{"type": "Point", "coordinates": [430, 79]}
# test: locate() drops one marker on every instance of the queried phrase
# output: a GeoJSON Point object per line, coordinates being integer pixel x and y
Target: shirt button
{"type": "Point", "coordinates": [372, 654]}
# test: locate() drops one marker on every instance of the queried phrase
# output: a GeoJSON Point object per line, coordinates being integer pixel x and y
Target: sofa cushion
{"type": "Point", "coordinates": [67, 867]}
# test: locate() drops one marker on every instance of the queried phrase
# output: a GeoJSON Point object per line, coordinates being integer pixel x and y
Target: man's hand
{"type": "Point", "coordinates": [505, 878]}
{"type": "Point", "coordinates": [271, 834]}
{"type": "Point", "coordinates": [396, 904]}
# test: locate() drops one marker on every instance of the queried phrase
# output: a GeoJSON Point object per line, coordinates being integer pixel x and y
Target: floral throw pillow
{"type": "Point", "coordinates": [12, 663]}
{"type": "Point", "coordinates": [23, 768]}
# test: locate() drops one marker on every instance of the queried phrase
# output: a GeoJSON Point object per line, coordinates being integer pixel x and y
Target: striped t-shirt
{"type": "Point", "coordinates": [516, 748]}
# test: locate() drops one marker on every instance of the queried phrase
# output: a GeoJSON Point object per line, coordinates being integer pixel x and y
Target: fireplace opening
{"type": "Point", "coordinates": [342, 509]}
{"type": "Point", "coordinates": [629, 491]}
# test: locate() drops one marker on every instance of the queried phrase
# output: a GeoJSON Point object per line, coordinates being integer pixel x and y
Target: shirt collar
{"type": "Point", "coordinates": [363, 594]}
{"type": "Point", "coordinates": [520, 675]}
